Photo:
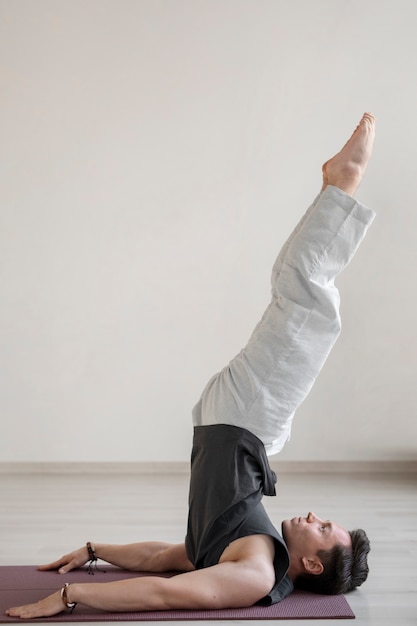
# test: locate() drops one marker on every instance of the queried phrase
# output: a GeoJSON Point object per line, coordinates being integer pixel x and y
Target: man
{"type": "Point", "coordinates": [233, 556]}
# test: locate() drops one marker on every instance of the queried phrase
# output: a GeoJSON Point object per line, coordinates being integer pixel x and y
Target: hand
{"type": "Point", "coordinates": [44, 608]}
{"type": "Point", "coordinates": [70, 561]}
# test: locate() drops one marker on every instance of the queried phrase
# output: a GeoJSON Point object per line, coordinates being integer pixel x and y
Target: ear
{"type": "Point", "coordinates": [313, 565]}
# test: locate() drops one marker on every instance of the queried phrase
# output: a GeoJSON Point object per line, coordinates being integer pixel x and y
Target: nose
{"type": "Point", "coordinates": [312, 517]}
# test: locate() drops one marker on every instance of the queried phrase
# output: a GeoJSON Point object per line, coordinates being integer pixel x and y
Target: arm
{"type": "Point", "coordinates": [149, 556]}
{"type": "Point", "coordinates": [225, 585]}
{"type": "Point", "coordinates": [244, 575]}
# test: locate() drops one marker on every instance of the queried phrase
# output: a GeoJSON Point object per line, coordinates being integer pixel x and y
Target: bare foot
{"type": "Point", "coordinates": [346, 169]}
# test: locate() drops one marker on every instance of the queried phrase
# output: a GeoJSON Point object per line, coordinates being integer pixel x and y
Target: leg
{"type": "Point", "coordinates": [262, 387]}
{"type": "Point", "coordinates": [345, 171]}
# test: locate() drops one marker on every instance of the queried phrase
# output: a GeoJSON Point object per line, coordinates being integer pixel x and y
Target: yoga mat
{"type": "Point", "coordinates": [25, 584]}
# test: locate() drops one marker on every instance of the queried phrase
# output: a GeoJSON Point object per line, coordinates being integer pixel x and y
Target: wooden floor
{"type": "Point", "coordinates": [42, 516]}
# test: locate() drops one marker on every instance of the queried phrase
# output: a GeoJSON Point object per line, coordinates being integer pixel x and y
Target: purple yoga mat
{"type": "Point", "coordinates": [25, 584]}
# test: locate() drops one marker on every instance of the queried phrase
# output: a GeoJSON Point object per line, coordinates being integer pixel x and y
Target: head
{"type": "Point", "coordinates": [324, 557]}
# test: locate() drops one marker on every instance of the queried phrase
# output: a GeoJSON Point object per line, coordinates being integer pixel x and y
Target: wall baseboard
{"type": "Point", "coordinates": [182, 467]}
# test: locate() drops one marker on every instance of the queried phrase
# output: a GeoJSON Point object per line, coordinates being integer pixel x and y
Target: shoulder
{"type": "Point", "coordinates": [256, 552]}
{"type": "Point", "coordinates": [251, 546]}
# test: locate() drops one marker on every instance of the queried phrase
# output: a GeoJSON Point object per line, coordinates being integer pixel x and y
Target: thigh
{"type": "Point", "coordinates": [263, 385]}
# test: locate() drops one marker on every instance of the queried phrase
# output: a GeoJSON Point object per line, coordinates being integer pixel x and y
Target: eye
{"type": "Point", "coordinates": [322, 529]}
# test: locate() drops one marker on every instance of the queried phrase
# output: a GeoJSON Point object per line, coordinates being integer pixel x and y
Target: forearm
{"type": "Point", "coordinates": [135, 594]}
{"type": "Point", "coordinates": [145, 556]}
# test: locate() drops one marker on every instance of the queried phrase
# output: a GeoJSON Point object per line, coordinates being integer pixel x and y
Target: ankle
{"type": "Point", "coordinates": [347, 178]}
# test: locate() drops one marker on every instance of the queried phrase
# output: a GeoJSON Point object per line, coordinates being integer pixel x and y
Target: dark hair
{"type": "Point", "coordinates": [344, 568]}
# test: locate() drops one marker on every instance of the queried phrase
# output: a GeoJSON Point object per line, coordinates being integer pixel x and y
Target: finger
{"type": "Point", "coordinates": [50, 605]}
{"type": "Point", "coordinates": [68, 567]}
{"type": "Point", "coordinates": [19, 611]}
{"type": "Point", "coordinates": [55, 565]}
{"type": "Point", "coordinates": [12, 611]}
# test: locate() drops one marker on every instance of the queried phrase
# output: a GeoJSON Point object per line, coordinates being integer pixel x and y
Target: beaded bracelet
{"type": "Point", "coordinates": [91, 552]}
{"type": "Point", "coordinates": [93, 560]}
{"type": "Point", "coordinates": [69, 605]}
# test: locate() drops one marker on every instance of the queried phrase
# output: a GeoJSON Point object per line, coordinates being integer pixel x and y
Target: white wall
{"type": "Point", "coordinates": [155, 154]}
